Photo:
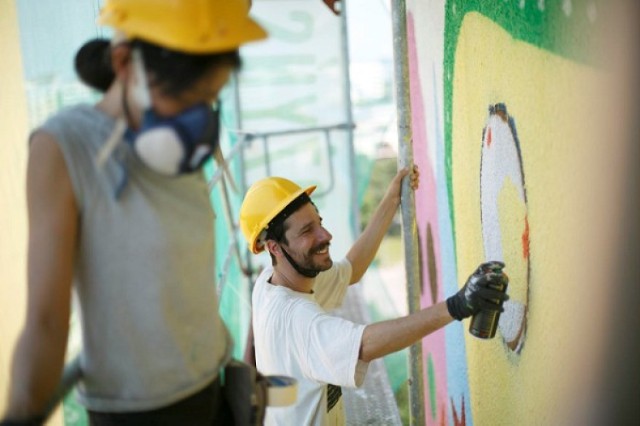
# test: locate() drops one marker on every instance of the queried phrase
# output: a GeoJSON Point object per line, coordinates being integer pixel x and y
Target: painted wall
{"type": "Point", "coordinates": [518, 123]}
{"type": "Point", "coordinates": [13, 152]}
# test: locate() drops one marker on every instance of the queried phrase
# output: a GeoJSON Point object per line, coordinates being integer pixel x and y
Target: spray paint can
{"type": "Point", "coordinates": [484, 324]}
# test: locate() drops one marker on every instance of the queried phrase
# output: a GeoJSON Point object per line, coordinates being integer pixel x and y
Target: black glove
{"type": "Point", "coordinates": [477, 294]}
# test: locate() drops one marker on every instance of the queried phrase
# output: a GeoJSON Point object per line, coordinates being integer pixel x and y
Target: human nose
{"type": "Point", "coordinates": [326, 235]}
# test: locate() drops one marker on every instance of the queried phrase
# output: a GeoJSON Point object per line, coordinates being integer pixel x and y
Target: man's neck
{"type": "Point", "coordinates": [292, 279]}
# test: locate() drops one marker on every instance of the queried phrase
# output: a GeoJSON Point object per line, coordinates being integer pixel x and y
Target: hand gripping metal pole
{"type": "Point", "coordinates": [407, 205]}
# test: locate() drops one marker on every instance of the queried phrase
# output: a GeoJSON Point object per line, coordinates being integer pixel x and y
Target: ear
{"type": "Point", "coordinates": [273, 247]}
{"type": "Point", "coordinates": [121, 60]}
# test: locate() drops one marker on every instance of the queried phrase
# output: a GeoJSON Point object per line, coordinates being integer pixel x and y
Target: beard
{"type": "Point", "coordinates": [308, 260]}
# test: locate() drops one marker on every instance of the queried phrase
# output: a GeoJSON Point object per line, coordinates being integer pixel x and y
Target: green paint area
{"type": "Point", "coordinates": [74, 414]}
{"type": "Point", "coordinates": [431, 377]}
{"type": "Point", "coordinates": [566, 28]}
{"type": "Point", "coordinates": [567, 31]}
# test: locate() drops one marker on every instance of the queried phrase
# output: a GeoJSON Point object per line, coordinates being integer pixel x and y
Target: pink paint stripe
{"type": "Point", "coordinates": [427, 213]}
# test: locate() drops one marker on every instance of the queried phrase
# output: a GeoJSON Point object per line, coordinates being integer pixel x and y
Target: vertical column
{"type": "Point", "coordinates": [409, 229]}
{"type": "Point", "coordinates": [348, 110]}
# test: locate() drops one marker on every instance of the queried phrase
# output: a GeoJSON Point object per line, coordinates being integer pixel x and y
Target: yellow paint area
{"type": "Point", "coordinates": [13, 148]}
{"type": "Point", "coordinates": [13, 214]}
{"type": "Point", "coordinates": [550, 99]}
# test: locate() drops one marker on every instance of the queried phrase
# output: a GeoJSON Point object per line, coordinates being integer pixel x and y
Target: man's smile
{"type": "Point", "coordinates": [324, 249]}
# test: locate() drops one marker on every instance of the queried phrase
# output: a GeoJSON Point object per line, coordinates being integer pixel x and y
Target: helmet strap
{"type": "Point", "coordinates": [306, 272]}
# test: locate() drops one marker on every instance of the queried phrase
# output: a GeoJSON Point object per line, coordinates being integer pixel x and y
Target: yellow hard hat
{"type": "Point", "coordinates": [264, 200]}
{"type": "Point", "coordinates": [188, 26]}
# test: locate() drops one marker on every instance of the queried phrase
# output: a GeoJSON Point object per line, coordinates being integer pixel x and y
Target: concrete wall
{"type": "Point", "coordinates": [520, 122]}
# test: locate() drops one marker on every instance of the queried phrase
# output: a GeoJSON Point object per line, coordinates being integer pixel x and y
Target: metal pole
{"type": "Point", "coordinates": [242, 170]}
{"type": "Point", "coordinates": [353, 175]}
{"type": "Point", "coordinates": [407, 205]}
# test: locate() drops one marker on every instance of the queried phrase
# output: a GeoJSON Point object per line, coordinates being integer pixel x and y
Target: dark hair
{"type": "Point", "coordinates": [93, 64]}
{"type": "Point", "coordinates": [171, 71]}
{"type": "Point", "coordinates": [276, 228]}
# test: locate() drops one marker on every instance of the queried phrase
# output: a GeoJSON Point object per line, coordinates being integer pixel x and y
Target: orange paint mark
{"type": "Point", "coordinates": [488, 136]}
{"type": "Point", "coordinates": [525, 239]}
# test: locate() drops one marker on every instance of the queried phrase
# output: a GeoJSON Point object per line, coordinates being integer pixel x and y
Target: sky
{"type": "Point", "coordinates": [369, 26]}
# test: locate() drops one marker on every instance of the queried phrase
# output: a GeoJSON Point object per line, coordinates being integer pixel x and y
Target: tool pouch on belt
{"type": "Point", "coordinates": [245, 391]}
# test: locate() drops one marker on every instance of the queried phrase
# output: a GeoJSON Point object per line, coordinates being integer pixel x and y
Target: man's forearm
{"type": "Point", "coordinates": [366, 246]}
{"type": "Point", "coordinates": [386, 337]}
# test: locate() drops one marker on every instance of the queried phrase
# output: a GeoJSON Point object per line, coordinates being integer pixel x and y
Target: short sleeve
{"type": "Point", "coordinates": [332, 351]}
{"type": "Point", "coordinates": [331, 286]}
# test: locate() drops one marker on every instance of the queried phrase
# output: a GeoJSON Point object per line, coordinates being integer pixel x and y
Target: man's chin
{"type": "Point", "coordinates": [324, 265]}
{"type": "Point", "coordinates": [327, 265]}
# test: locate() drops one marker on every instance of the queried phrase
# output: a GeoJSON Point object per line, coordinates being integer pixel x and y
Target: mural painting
{"type": "Point", "coordinates": [433, 346]}
{"type": "Point", "coordinates": [476, 68]}
{"type": "Point", "coordinates": [505, 226]}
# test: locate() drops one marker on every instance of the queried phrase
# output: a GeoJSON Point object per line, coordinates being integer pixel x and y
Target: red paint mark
{"type": "Point", "coordinates": [525, 239]}
{"type": "Point", "coordinates": [488, 137]}
{"type": "Point", "coordinates": [443, 415]}
{"type": "Point", "coordinates": [331, 4]}
{"type": "Point", "coordinates": [462, 420]}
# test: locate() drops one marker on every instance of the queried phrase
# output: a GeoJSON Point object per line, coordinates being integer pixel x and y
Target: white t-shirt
{"type": "Point", "coordinates": [295, 336]}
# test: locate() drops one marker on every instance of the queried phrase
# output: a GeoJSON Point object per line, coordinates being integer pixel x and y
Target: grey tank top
{"type": "Point", "coordinates": [144, 274]}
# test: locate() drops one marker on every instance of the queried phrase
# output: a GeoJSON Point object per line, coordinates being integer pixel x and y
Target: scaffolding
{"type": "Point", "coordinates": [375, 402]}
{"type": "Point", "coordinates": [409, 230]}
